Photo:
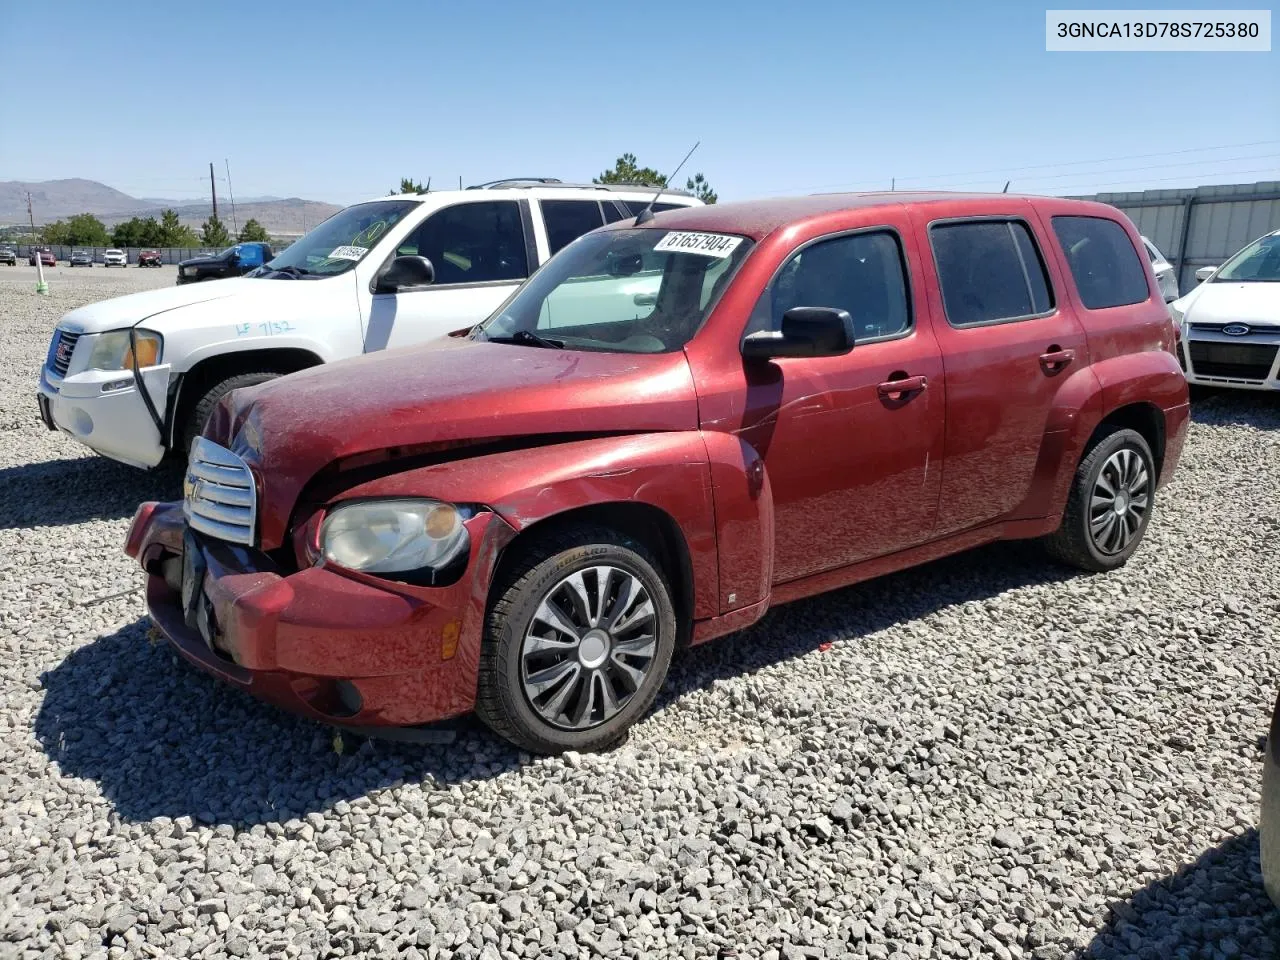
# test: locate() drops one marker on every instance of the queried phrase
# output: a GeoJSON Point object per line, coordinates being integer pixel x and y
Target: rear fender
{"type": "Point", "coordinates": [668, 471]}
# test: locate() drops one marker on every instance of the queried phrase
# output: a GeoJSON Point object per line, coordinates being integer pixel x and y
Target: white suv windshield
{"type": "Point", "coordinates": [339, 243]}
{"type": "Point", "coordinates": [624, 291]}
{"type": "Point", "coordinates": [1259, 262]}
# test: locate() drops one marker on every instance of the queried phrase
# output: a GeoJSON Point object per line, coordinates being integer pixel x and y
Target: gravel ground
{"type": "Point", "coordinates": [987, 756]}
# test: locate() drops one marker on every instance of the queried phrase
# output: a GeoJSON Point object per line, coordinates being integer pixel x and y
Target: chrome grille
{"type": "Point", "coordinates": [60, 351]}
{"type": "Point", "coordinates": [219, 498]}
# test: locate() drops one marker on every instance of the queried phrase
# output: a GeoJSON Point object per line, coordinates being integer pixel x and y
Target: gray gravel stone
{"type": "Point", "coordinates": [994, 757]}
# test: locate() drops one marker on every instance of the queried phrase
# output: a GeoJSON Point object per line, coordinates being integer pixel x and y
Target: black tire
{"type": "Point", "coordinates": [1073, 542]}
{"type": "Point", "coordinates": [501, 700]}
{"type": "Point", "coordinates": [199, 414]}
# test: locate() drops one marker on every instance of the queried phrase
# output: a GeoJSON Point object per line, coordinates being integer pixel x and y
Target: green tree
{"type": "Point", "coordinates": [175, 234]}
{"type": "Point", "coordinates": [626, 171]}
{"type": "Point", "coordinates": [698, 186]}
{"type": "Point", "coordinates": [409, 185]}
{"type": "Point", "coordinates": [253, 230]}
{"type": "Point", "coordinates": [213, 233]}
{"type": "Point", "coordinates": [138, 232]}
{"type": "Point", "coordinates": [82, 230]}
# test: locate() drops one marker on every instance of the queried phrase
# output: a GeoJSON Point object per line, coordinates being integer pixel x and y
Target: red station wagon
{"type": "Point", "coordinates": [676, 424]}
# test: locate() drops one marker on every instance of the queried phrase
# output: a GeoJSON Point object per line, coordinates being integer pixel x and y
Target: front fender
{"type": "Point", "coordinates": [668, 471]}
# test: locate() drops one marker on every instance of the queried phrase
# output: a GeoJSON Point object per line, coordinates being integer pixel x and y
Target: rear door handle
{"type": "Point", "coordinates": [893, 389]}
{"type": "Point", "coordinates": [645, 299]}
{"type": "Point", "coordinates": [1056, 358]}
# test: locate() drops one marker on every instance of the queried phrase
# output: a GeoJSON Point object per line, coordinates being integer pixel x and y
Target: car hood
{"type": "Point", "coordinates": [202, 262]}
{"type": "Point", "coordinates": [1227, 302]}
{"type": "Point", "coordinates": [447, 391]}
{"type": "Point", "coordinates": [137, 308]}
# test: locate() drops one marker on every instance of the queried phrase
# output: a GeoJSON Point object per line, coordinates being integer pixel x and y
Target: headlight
{"type": "Point", "coordinates": [394, 536]}
{"type": "Point", "coordinates": [1177, 314]}
{"type": "Point", "coordinates": [111, 351]}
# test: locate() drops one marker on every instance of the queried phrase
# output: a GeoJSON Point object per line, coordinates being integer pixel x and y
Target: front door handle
{"type": "Point", "coordinates": [896, 389]}
{"type": "Point", "coordinates": [645, 299]}
{"type": "Point", "coordinates": [1056, 358]}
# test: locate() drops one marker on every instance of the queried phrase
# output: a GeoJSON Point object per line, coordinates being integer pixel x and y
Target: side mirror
{"type": "Point", "coordinates": [806, 332]}
{"type": "Point", "coordinates": [1204, 273]}
{"type": "Point", "coordinates": [404, 272]}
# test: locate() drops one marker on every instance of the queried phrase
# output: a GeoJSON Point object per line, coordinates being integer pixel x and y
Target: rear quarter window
{"type": "Point", "coordinates": [1104, 265]}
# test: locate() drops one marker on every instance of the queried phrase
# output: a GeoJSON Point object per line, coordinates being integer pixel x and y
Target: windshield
{"type": "Point", "coordinates": [341, 242]}
{"type": "Point", "coordinates": [1259, 262]}
{"type": "Point", "coordinates": [229, 252]}
{"type": "Point", "coordinates": [625, 291]}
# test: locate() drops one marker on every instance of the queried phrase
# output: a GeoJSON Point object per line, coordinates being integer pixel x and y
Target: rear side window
{"type": "Point", "coordinates": [635, 206]}
{"type": "Point", "coordinates": [611, 212]}
{"type": "Point", "coordinates": [1103, 263]}
{"type": "Point", "coordinates": [567, 220]}
{"type": "Point", "coordinates": [990, 271]}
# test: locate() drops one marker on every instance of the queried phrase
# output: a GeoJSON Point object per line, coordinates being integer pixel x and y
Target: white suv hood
{"type": "Point", "coordinates": [136, 308]}
{"type": "Point", "coordinates": [1227, 302]}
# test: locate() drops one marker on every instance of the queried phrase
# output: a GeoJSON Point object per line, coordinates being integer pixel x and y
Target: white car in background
{"type": "Point", "coordinates": [1166, 277]}
{"type": "Point", "coordinates": [385, 273]}
{"type": "Point", "coordinates": [1230, 323]}
{"type": "Point", "coordinates": [114, 258]}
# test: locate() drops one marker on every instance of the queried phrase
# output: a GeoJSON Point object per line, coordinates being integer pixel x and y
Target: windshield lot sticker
{"type": "Point", "coordinates": [704, 244]}
{"type": "Point", "coordinates": [348, 253]}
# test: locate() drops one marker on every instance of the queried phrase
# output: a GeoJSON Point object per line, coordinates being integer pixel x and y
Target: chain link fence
{"type": "Point", "coordinates": [62, 252]}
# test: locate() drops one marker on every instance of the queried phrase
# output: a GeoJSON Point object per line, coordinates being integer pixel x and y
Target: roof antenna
{"type": "Point", "coordinates": [645, 215]}
{"type": "Point", "coordinates": [1006, 186]}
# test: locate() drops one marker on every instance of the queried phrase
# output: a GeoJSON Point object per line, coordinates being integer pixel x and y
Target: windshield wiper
{"type": "Point", "coordinates": [288, 270]}
{"type": "Point", "coordinates": [529, 339]}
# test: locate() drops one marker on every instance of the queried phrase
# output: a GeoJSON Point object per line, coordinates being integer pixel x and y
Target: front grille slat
{"type": "Point", "coordinates": [220, 498]}
{"type": "Point", "coordinates": [61, 350]}
{"type": "Point", "coordinates": [1232, 361]}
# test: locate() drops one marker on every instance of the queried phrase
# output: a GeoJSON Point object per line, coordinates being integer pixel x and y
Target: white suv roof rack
{"type": "Point", "coordinates": [518, 183]}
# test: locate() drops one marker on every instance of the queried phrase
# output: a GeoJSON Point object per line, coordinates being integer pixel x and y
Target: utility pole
{"type": "Point", "coordinates": [213, 191]}
{"type": "Point", "coordinates": [235, 227]}
{"type": "Point", "coordinates": [31, 218]}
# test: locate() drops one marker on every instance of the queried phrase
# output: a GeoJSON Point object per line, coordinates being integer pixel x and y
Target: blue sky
{"type": "Point", "coordinates": [337, 100]}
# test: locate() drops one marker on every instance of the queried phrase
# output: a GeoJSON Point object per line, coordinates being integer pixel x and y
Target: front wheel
{"type": "Point", "coordinates": [577, 642]}
{"type": "Point", "coordinates": [199, 414]}
{"type": "Point", "coordinates": [1110, 503]}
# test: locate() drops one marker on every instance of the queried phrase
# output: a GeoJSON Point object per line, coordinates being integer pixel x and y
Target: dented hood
{"type": "Point", "coordinates": [447, 390]}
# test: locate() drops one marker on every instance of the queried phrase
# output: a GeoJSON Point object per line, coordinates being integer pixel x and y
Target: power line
{"type": "Point", "coordinates": [1087, 175]}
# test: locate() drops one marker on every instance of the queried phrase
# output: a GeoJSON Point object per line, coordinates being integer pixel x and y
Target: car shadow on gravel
{"type": "Point", "coordinates": [1237, 407]}
{"type": "Point", "coordinates": [1213, 907]}
{"type": "Point", "coordinates": [57, 493]}
{"type": "Point", "coordinates": [163, 739]}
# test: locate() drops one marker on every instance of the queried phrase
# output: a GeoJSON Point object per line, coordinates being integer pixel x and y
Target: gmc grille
{"type": "Point", "coordinates": [219, 498]}
{"type": "Point", "coordinates": [60, 351]}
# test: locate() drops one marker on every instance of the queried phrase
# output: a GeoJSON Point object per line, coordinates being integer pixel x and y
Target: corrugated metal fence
{"type": "Point", "coordinates": [1202, 226]}
{"type": "Point", "coordinates": [168, 254]}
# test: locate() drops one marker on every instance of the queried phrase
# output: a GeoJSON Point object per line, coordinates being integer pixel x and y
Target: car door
{"type": "Point", "coordinates": [1007, 344]}
{"type": "Point", "coordinates": [481, 251]}
{"type": "Point", "coordinates": [850, 443]}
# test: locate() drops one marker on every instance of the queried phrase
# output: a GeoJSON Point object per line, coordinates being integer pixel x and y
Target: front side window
{"type": "Point", "coordinates": [862, 274]}
{"type": "Point", "coordinates": [1103, 263]}
{"type": "Point", "coordinates": [339, 243]}
{"type": "Point", "coordinates": [567, 220]}
{"type": "Point", "coordinates": [990, 271]}
{"type": "Point", "coordinates": [472, 243]}
{"type": "Point", "coordinates": [622, 291]}
{"type": "Point", "coordinates": [1259, 262]}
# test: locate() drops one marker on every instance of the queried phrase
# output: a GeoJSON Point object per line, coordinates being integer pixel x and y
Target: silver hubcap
{"type": "Point", "coordinates": [1119, 502]}
{"type": "Point", "coordinates": [588, 648]}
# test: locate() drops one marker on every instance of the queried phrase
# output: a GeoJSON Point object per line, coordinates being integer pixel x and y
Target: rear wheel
{"type": "Point", "coordinates": [1110, 502]}
{"type": "Point", "coordinates": [577, 643]}
{"type": "Point", "coordinates": [199, 414]}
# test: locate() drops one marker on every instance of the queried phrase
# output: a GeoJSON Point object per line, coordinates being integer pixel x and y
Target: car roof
{"type": "Point", "coordinates": [758, 218]}
{"type": "Point", "coordinates": [547, 191]}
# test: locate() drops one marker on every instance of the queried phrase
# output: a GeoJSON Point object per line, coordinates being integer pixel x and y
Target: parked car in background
{"type": "Point", "coordinates": [9, 255]}
{"type": "Point", "coordinates": [80, 258]}
{"type": "Point", "coordinates": [150, 258]}
{"type": "Point", "coordinates": [1166, 276]}
{"type": "Point", "coordinates": [232, 262]}
{"type": "Point", "coordinates": [46, 258]}
{"type": "Point", "coordinates": [355, 284]}
{"type": "Point", "coordinates": [114, 258]}
{"type": "Point", "coordinates": [1230, 323]}
{"type": "Point", "coordinates": [670, 428]}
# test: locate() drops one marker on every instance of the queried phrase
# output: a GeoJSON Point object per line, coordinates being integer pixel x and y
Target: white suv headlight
{"type": "Point", "coordinates": [112, 351]}
{"type": "Point", "coordinates": [394, 536]}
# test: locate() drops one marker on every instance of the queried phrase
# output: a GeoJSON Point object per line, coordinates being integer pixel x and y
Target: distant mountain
{"type": "Point", "coordinates": [57, 199]}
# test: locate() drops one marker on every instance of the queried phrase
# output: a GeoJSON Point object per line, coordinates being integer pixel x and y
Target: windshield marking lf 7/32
{"type": "Point", "coordinates": [623, 291]}
{"type": "Point", "coordinates": [339, 243]}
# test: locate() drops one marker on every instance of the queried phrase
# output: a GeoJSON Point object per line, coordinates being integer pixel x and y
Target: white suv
{"type": "Point", "coordinates": [385, 273]}
{"type": "Point", "coordinates": [114, 258]}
